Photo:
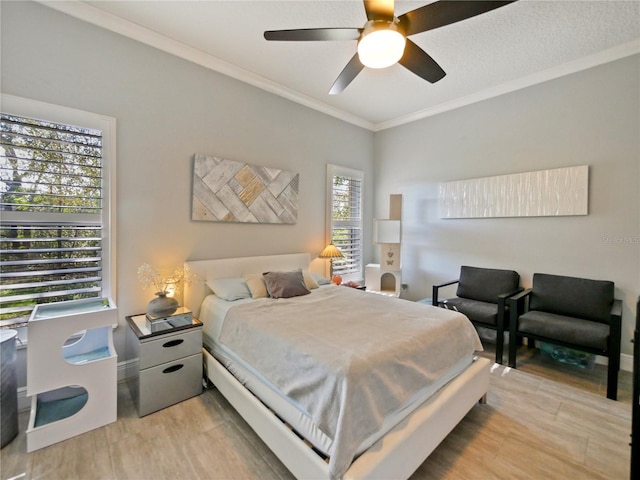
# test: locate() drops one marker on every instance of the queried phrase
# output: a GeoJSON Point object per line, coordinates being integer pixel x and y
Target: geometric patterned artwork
{"type": "Point", "coordinates": [230, 191]}
{"type": "Point", "coordinates": [556, 192]}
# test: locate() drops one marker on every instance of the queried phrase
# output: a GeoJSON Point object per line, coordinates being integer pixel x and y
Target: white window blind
{"type": "Point", "coordinates": [52, 225]}
{"type": "Point", "coordinates": [346, 220]}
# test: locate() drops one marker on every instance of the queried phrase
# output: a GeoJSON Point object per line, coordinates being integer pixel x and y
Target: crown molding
{"type": "Point", "coordinates": [108, 21]}
{"type": "Point", "coordinates": [93, 15]}
{"type": "Point", "coordinates": [605, 56]}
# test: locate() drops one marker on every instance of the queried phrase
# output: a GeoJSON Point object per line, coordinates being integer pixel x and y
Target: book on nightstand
{"type": "Point", "coordinates": [182, 316]}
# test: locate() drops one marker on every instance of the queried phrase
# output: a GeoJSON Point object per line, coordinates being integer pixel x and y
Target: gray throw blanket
{"type": "Point", "coordinates": [347, 357]}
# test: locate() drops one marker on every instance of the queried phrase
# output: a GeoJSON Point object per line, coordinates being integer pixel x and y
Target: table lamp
{"type": "Point", "coordinates": [331, 252]}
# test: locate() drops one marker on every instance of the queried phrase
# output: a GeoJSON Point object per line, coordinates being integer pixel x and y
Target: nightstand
{"type": "Point", "coordinates": [169, 368]}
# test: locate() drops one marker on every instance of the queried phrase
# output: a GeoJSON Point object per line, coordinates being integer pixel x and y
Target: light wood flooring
{"type": "Point", "coordinates": [540, 422]}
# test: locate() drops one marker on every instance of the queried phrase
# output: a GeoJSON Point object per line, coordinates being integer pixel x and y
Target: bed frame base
{"type": "Point", "coordinates": [397, 455]}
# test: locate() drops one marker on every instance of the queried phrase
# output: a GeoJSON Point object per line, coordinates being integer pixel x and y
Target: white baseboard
{"type": "Point", "coordinates": [23, 401]}
{"type": "Point", "coordinates": [127, 369]}
{"type": "Point", "coordinates": [626, 362]}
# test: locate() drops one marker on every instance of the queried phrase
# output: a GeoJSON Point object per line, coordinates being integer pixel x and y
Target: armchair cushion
{"type": "Point", "coordinates": [572, 330]}
{"type": "Point", "coordinates": [486, 284]}
{"type": "Point", "coordinates": [572, 297]}
{"type": "Point", "coordinates": [476, 311]}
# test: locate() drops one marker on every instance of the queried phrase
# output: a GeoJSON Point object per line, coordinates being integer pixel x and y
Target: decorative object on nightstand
{"type": "Point", "coordinates": [162, 304]}
{"type": "Point", "coordinates": [331, 252]}
{"type": "Point", "coordinates": [168, 283]}
{"type": "Point", "coordinates": [385, 277]}
{"type": "Point", "coordinates": [169, 354]}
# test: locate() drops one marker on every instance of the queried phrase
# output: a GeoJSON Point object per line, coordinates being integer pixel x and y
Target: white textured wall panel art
{"type": "Point", "coordinates": [230, 191]}
{"type": "Point", "coordinates": [556, 192]}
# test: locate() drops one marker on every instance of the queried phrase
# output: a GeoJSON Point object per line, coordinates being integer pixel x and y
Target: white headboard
{"type": "Point", "coordinates": [205, 270]}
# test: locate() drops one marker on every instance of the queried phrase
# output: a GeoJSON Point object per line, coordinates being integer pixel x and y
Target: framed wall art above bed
{"type": "Point", "coordinates": [229, 191]}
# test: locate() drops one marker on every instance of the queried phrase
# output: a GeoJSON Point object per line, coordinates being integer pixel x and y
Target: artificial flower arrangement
{"type": "Point", "coordinates": [168, 280]}
{"type": "Point", "coordinates": [167, 283]}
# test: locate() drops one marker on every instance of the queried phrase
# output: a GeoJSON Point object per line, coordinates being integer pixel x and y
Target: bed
{"type": "Point", "coordinates": [389, 442]}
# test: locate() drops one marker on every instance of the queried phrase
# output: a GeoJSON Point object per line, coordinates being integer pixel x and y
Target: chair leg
{"type": "Point", "coordinates": [612, 377]}
{"type": "Point", "coordinates": [512, 351]}
{"type": "Point", "coordinates": [499, 345]}
{"type": "Point", "coordinates": [513, 337]}
{"type": "Point", "coordinates": [613, 348]}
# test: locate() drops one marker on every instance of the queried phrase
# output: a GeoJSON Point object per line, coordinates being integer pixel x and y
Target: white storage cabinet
{"type": "Point", "coordinates": [71, 369]}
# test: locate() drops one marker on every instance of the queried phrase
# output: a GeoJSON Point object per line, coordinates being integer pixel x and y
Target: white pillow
{"type": "Point", "coordinates": [320, 280]}
{"type": "Point", "coordinates": [309, 281]}
{"type": "Point", "coordinates": [256, 285]}
{"type": "Point", "coordinates": [229, 289]}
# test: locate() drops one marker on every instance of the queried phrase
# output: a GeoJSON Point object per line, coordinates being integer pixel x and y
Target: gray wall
{"type": "Point", "coordinates": [588, 118]}
{"type": "Point", "coordinates": [168, 109]}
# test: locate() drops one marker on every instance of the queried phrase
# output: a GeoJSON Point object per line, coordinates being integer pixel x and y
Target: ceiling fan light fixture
{"type": "Point", "coordinates": [381, 44]}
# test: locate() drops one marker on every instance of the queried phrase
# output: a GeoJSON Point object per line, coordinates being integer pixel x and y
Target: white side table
{"type": "Point", "coordinates": [71, 369]}
{"type": "Point", "coordinates": [9, 391]}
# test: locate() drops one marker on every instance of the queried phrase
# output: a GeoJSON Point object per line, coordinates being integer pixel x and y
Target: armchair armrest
{"type": "Point", "coordinates": [616, 308]}
{"type": "Point", "coordinates": [516, 308]}
{"type": "Point", "coordinates": [519, 297]}
{"type": "Point", "coordinates": [615, 327]}
{"type": "Point", "coordinates": [503, 302]}
{"type": "Point", "coordinates": [504, 296]}
{"type": "Point", "coordinates": [434, 296]}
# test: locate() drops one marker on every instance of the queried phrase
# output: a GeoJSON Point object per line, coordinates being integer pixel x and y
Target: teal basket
{"type": "Point", "coordinates": [568, 356]}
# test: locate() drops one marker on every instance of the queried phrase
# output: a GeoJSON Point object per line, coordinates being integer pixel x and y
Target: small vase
{"type": "Point", "coordinates": [162, 305]}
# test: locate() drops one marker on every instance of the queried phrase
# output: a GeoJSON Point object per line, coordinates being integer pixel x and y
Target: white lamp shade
{"type": "Point", "coordinates": [381, 48]}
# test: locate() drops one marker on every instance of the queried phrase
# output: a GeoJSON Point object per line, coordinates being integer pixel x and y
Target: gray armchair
{"type": "Point", "coordinates": [572, 312]}
{"type": "Point", "coordinates": [481, 296]}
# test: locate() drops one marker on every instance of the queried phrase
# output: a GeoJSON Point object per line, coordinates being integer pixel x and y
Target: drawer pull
{"type": "Point", "coordinates": [173, 368]}
{"type": "Point", "coordinates": [173, 343]}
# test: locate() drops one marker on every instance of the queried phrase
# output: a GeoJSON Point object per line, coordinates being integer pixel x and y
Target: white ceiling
{"type": "Point", "coordinates": [509, 48]}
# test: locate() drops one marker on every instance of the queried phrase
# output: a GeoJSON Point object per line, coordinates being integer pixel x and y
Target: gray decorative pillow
{"type": "Point", "coordinates": [285, 284]}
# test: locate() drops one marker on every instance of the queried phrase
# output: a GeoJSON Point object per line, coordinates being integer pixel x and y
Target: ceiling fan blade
{"type": "Point", "coordinates": [444, 12]}
{"type": "Point", "coordinates": [351, 71]}
{"type": "Point", "coordinates": [379, 9]}
{"type": "Point", "coordinates": [313, 34]}
{"type": "Point", "coordinates": [420, 62]}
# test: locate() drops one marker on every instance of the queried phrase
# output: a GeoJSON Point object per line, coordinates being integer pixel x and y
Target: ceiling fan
{"type": "Point", "coordinates": [383, 42]}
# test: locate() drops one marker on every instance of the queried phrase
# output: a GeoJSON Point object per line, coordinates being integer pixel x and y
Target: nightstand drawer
{"type": "Point", "coordinates": [170, 347]}
{"type": "Point", "coordinates": [169, 383]}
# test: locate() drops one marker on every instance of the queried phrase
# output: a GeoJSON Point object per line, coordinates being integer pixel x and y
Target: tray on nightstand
{"type": "Point", "coordinates": [157, 323]}
{"type": "Point", "coordinates": [143, 329]}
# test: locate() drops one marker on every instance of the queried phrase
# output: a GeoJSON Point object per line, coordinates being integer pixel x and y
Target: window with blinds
{"type": "Point", "coordinates": [51, 214]}
{"type": "Point", "coordinates": [346, 220]}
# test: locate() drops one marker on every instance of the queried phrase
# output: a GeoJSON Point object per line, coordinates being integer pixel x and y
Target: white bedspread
{"type": "Point", "coordinates": [347, 357]}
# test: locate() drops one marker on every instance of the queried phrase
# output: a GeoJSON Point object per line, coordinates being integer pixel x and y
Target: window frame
{"type": "Point", "coordinates": [24, 107]}
{"type": "Point", "coordinates": [333, 171]}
